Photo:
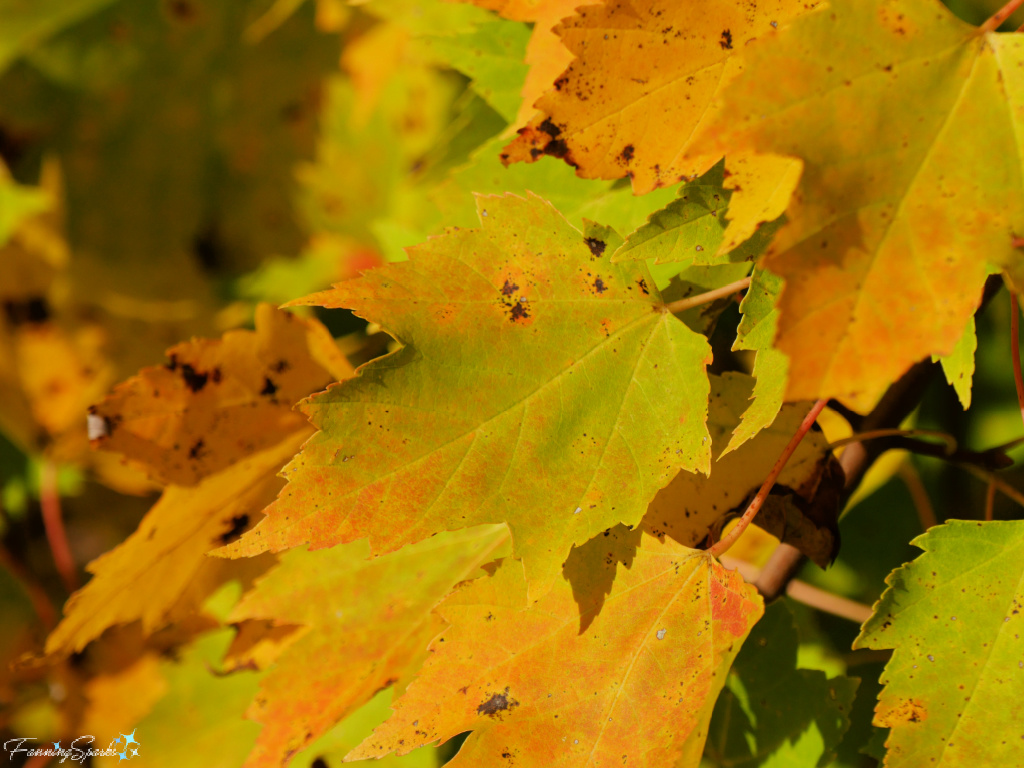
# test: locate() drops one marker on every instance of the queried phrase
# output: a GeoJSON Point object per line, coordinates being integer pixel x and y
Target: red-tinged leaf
{"type": "Point", "coordinates": [370, 618]}
{"type": "Point", "coordinates": [897, 215]}
{"type": "Point", "coordinates": [540, 385]}
{"type": "Point", "coordinates": [576, 678]}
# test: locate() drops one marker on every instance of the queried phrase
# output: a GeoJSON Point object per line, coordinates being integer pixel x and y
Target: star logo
{"type": "Point", "coordinates": [130, 738]}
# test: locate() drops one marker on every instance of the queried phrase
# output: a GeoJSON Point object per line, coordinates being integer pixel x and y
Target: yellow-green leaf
{"type": "Point", "coordinates": [954, 620]}
{"type": "Point", "coordinates": [539, 385]}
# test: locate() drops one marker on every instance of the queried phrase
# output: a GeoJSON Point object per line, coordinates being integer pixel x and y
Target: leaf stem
{"type": "Point", "coordinates": [53, 522]}
{"type": "Point", "coordinates": [718, 549]}
{"type": "Point", "coordinates": [706, 298]}
{"type": "Point", "coordinates": [996, 19]}
{"type": "Point", "coordinates": [990, 477]}
{"type": "Point", "coordinates": [1015, 348]}
{"type": "Point", "coordinates": [919, 495]}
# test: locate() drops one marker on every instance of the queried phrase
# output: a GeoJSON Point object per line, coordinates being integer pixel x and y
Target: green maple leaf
{"type": "Point", "coordinates": [953, 617]}
{"type": "Point", "coordinates": [757, 332]}
{"type": "Point", "coordinates": [692, 228]}
{"type": "Point", "coordinates": [540, 385]}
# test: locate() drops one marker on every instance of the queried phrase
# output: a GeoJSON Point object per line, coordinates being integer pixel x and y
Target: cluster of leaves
{"type": "Point", "coordinates": [467, 520]}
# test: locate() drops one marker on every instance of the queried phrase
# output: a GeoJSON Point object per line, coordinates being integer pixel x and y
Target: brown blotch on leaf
{"type": "Point", "coordinates": [509, 288]}
{"type": "Point", "coordinates": [596, 246]}
{"type": "Point", "coordinates": [907, 711]}
{"type": "Point", "coordinates": [627, 153]}
{"type": "Point", "coordinates": [550, 128]}
{"type": "Point", "coordinates": [499, 702]}
{"type": "Point", "coordinates": [599, 285]}
{"type": "Point", "coordinates": [238, 525]}
{"type": "Point", "coordinates": [557, 148]}
{"type": "Point", "coordinates": [280, 366]}
{"type": "Point", "coordinates": [269, 387]}
{"type": "Point", "coordinates": [193, 379]}
{"type": "Point", "coordinates": [642, 284]}
{"type": "Point", "coordinates": [519, 312]}
{"type": "Point", "coordinates": [196, 451]}
{"type": "Point", "coordinates": [726, 41]}
{"type": "Point", "coordinates": [215, 375]}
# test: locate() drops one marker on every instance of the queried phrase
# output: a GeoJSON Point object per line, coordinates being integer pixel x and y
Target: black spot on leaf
{"type": "Point", "coordinates": [550, 128]}
{"type": "Point", "coordinates": [509, 288]}
{"type": "Point", "coordinates": [627, 153]}
{"type": "Point", "coordinates": [596, 246]}
{"type": "Point", "coordinates": [238, 525]}
{"type": "Point", "coordinates": [269, 387]}
{"type": "Point", "coordinates": [726, 41]}
{"type": "Point", "coordinates": [193, 379]}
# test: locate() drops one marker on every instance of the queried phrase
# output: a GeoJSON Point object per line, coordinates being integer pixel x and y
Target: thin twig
{"type": "Point", "coordinates": [874, 434]}
{"type": "Point", "coordinates": [720, 547]}
{"type": "Point", "coordinates": [809, 595]}
{"type": "Point", "coordinates": [706, 298]}
{"type": "Point", "coordinates": [996, 19]}
{"type": "Point", "coordinates": [53, 522]}
{"type": "Point", "coordinates": [919, 495]}
{"type": "Point", "coordinates": [990, 477]}
{"type": "Point", "coordinates": [990, 498]}
{"type": "Point", "coordinates": [36, 594]}
{"type": "Point", "coordinates": [1015, 349]}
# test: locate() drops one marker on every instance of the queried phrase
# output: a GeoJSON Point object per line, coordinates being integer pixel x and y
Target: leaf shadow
{"type": "Point", "coordinates": [590, 568]}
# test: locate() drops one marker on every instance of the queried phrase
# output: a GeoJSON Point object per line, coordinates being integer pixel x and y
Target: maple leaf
{"type": "Point", "coordinates": [546, 56]}
{"type": "Point", "coordinates": [639, 680]}
{"type": "Point", "coordinates": [890, 195]}
{"type": "Point", "coordinates": [219, 399]}
{"type": "Point", "coordinates": [692, 228]}
{"type": "Point", "coordinates": [371, 616]}
{"type": "Point", "coordinates": [161, 573]}
{"type": "Point", "coordinates": [638, 117]}
{"type": "Point", "coordinates": [330, 748]}
{"type": "Point", "coordinates": [569, 399]}
{"type": "Point", "coordinates": [953, 617]}
{"type": "Point", "coordinates": [958, 365]}
{"type": "Point", "coordinates": [803, 508]}
{"type": "Point", "coordinates": [201, 703]}
{"type": "Point", "coordinates": [772, 713]}
{"type": "Point", "coordinates": [756, 332]}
